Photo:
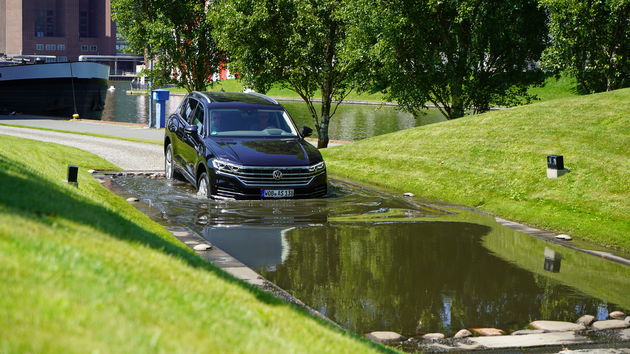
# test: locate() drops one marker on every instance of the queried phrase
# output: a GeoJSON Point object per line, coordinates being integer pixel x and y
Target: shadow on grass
{"type": "Point", "coordinates": [42, 201]}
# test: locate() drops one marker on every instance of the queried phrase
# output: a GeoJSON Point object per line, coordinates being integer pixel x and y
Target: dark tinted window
{"type": "Point", "coordinates": [187, 108]}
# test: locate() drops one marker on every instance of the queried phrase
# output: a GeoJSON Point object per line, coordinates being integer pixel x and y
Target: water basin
{"type": "Point", "coordinates": [371, 261]}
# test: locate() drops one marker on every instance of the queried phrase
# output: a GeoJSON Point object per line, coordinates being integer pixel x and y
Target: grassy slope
{"type": "Point", "coordinates": [497, 161]}
{"type": "Point", "coordinates": [83, 271]}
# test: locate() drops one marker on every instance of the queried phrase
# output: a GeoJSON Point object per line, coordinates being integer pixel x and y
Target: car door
{"type": "Point", "coordinates": [176, 125]}
{"type": "Point", "coordinates": [192, 143]}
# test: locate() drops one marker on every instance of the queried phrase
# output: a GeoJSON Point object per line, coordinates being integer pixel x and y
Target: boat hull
{"type": "Point", "coordinates": [51, 90]}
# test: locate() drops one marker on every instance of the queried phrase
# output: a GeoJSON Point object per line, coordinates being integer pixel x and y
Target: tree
{"type": "Point", "coordinates": [295, 43]}
{"type": "Point", "coordinates": [590, 40]}
{"type": "Point", "coordinates": [175, 33]}
{"type": "Point", "coordinates": [457, 54]}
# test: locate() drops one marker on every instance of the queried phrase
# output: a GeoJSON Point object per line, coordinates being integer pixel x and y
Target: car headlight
{"type": "Point", "coordinates": [225, 166]}
{"type": "Point", "coordinates": [317, 167]}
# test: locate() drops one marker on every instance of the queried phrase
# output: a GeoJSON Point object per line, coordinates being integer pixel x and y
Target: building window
{"type": "Point", "coordinates": [61, 47]}
{"type": "Point", "coordinates": [85, 48]}
{"type": "Point", "coordinates": [39, 47]}
{"type": "Point", "coordinates": [51, 47]}
{"type": "Point", "coordinates": [51, 60]}
{"type": "Point", "coordinates": [45, 23]}
{"type": "Point", "coordinates": [93, 48]}
{"type": "Point", "coordinates": [62, 59]}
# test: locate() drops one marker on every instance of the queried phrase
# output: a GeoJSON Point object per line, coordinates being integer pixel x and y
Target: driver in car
{"type": "Point", "coordinates": [262, 121]}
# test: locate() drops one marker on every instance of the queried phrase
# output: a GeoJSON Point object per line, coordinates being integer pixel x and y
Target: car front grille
{"type": "Point", "coordinates": [274, 176]}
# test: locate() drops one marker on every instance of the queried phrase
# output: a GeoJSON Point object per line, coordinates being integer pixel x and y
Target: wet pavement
{"type": "Point", "coordinates": [371, 261]}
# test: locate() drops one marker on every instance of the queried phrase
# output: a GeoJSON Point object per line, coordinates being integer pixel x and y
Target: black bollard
{"type": "Point", "coordinates": [73, 172]}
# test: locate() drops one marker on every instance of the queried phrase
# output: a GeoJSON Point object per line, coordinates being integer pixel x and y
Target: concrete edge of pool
{"type": "Point", "coordinates": [238, 270]}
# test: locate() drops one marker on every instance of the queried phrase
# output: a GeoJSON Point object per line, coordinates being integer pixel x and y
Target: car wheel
{"type": "Point", "coordinates": [169, 165]}
{"type": "Point", "coordinates": [203, 186]}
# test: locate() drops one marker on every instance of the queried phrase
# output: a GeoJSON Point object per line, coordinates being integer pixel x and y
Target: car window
{"type": "Point", "coordinates": [251, 122]}
{"type": "Point", "coordinates": [187, 108]}
{"type": "Point", "coordinates": [198, 118]}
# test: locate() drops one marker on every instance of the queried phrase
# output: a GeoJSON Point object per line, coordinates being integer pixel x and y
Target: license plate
{"type": "Point", "coordinates": [277, 193]}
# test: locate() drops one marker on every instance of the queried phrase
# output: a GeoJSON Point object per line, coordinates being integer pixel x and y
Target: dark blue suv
{"type": "Point", "coordinates": [241, 146]}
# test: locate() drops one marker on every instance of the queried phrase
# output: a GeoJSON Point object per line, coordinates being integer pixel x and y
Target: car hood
{"type": "Point", "coordinates": [266, 152]}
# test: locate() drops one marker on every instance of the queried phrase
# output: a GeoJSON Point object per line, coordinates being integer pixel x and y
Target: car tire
{"type": "Point", "coordinates": [203, 186]}
{"type": "Point", "coordinates": [169, 166]}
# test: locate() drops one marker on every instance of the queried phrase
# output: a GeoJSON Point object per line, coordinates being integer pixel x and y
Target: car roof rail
{"type": "Point", "coordinates": [265, 97]}
{"type": "Point", "coordinates": [203, 95]}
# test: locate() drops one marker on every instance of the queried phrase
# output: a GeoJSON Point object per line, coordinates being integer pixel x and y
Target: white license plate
{"type": "Point", "coordinates": [277, 193]}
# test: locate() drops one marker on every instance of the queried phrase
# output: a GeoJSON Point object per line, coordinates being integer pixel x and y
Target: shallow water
{"type": "Point", "coordinates": [371, 261]}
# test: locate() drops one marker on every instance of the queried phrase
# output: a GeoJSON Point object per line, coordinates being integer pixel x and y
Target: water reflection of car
{"type": "Point", "coordinates": [241, 146]}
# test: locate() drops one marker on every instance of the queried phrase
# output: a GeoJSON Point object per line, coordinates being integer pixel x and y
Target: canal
{"type": "Point", "coordinates": [371, 261]}
{"type": "Point", "coordinates": [351, 122]}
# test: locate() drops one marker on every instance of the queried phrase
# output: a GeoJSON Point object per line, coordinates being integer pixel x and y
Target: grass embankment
{"type": "Point", "coordinates": [83, 271]}
{"type": "Point", "coordinates": [497, 161]}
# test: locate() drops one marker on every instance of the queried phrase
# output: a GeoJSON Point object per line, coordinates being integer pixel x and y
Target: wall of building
{"type": "Point", "coordinates": [61, 28]}
{"type": "Point", "coordinates": [3, 26]}
{"type": "Point", "coordinates": [13, 24]}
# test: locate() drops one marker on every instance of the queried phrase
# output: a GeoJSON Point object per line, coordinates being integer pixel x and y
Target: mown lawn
{"type": "Point", "coordinates": [83, 271]}
{"type": "Point", "coordinates": [497, 163]}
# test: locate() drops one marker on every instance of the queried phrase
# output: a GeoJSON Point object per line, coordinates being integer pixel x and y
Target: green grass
{"type": "Point", "coordinates": [555, 88]}
{"type": "Point", "coordinates": [497, 162]}
{"type": "Point", "coordinates": [235, 85]}
{"type": "Point", "coordinates": [136, 140]}
{"type": "Point", "coordinates": [83, 271]}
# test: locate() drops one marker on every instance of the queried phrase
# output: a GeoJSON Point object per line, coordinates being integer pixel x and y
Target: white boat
{"type": "Point", "coordinates": [54, 89]}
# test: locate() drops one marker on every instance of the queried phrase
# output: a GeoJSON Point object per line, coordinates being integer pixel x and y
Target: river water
{"type": "Point", "coordinates": [375, 262]}
{"type": "Point", "coordinates": [351, 122]}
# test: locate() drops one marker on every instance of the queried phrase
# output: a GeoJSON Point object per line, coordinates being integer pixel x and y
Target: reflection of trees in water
{"type": "Point", "coordinates": [425, 277]}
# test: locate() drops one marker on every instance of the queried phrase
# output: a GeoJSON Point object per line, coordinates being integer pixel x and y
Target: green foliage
{"type": "Point", "coordinates": [496, 162]}
{"type": "Point", "coordinates": [458, 55]}
{"type": "Point", "coordinates": [590, 40]}
{"type": "Point", "coordinates": [294, 43]}
{"type": "Point", "coordinates": [176, 34]}
{"type": "Point", "coordinates": [84, 271]}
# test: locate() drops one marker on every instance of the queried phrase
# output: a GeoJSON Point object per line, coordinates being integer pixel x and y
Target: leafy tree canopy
{"type": "Point", "coordinates": [293, 42]}
{"type": "Point", "coordinates": [590, 40]}
{"type": "Point", "coordinates": [459, 55]}
{"type": "Point", "coordinates": [177, 34]}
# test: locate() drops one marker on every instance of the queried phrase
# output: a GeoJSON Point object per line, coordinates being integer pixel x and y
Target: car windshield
{"type": "Point", "coordinates": [251, 122]}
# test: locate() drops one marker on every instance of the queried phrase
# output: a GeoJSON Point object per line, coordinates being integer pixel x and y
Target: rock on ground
{"type": "Point", "coordinates": [557, 326]}
{"type": "Point", "coordinates": [528, 331]}
{"type": "Point", "coordinates": [585, 320]}
{"type": "Point", "coordinates": [488, 331]}
{"type": "Point", "coordinates": [462, 333]}
{"type": "Point", "coordinates": [617, 315]}
{"type": "Point", "coordinates": [610, 324]}
{"type": "Point", "coordinates": [384, 336]}
{"type": "Point", "coordinates": [433, 336]}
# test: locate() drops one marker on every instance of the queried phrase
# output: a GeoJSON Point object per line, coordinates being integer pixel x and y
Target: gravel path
{"type": "Point", "coordinates": [124, 154]}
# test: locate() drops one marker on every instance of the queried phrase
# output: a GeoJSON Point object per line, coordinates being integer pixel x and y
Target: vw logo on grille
{"type": "Point", "coordinates": [277, 174]}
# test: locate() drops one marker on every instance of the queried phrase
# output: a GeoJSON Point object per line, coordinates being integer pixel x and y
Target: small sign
{"type": "Point", "coordinates": [277, 193]}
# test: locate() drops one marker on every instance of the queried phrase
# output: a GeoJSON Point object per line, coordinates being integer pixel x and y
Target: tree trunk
{"type": "Point", "coordinates": [322, 141]}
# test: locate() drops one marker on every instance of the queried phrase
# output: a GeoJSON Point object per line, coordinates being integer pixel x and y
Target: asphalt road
{"type": "Point", "coordinates": [124, 154]}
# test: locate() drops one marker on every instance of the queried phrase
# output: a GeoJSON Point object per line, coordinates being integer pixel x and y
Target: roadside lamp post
{"type": "Point", "coordinates": [555, 166]}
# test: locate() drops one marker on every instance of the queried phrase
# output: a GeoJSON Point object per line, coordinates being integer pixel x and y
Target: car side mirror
{"type": "Point", "coordinates": [306, 131]}
{"type": "Point", "coordinates": [191, 129]}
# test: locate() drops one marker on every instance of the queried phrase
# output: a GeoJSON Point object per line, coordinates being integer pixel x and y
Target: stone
{"type": "Point", "coordinates": [384, 336]}
{"type": "Point", "coordinates": [438, 347]}
{"type": "Point", "coordinates": [91, 171]}
{"type": "Point", "coordinates": [557, 326]}
{"type": "Point", "coordinates": [586, 320]}
{"type": "Point", "coordinates": [408, 194]}
{"type": "Point", "coordinates": [202, 247]}
{"type": "Point", "coordinates": [465, 346]}
{"type": "Point", "coordinates": [627, 319]}
{"type": "Point", "coordinates": [564, 237]}
{"type": "Point", "coordinates": [617, 315]}
{"type": "Point", "coordinates": [133, 199]}
{"type": "Point", "coordinates": [433, 336]}
{"type": "Point", "coordinates": [528, 331]}
{"type": "Point", "coordinates": [462, 333]}
{"type": "Point", "coordinates": [610, 324]}
{"type": "Point", "coordinates": [532, 340]}
{"type": "Point", "coordinates": [488, 331]}
{"type": "Point", "coordinates": [624, 334]}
